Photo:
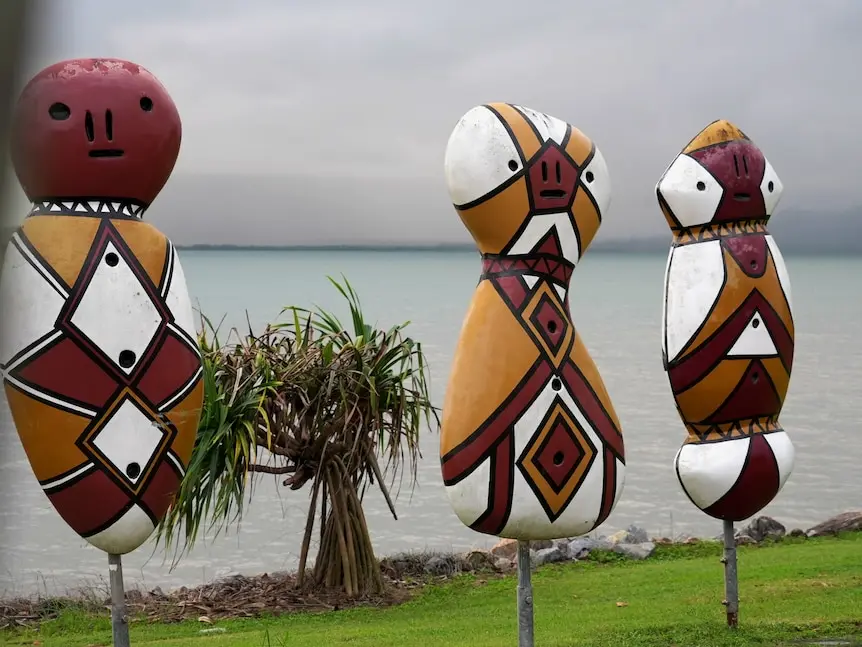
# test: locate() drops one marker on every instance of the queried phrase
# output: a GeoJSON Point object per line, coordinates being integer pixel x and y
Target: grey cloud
{"type": "Point", "coordinates": [364, 95]}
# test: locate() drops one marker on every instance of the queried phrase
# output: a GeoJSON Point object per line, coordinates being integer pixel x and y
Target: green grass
{"type": "Point", "coordinates": [794, 591]}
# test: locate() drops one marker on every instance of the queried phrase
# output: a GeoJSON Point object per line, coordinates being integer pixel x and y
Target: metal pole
{"type": "Point", "coordinates": [731, 581]}
{"type": "Point", "coordinates": [119, 620]}
{"type": "Point", "coordinates": [525, 596]}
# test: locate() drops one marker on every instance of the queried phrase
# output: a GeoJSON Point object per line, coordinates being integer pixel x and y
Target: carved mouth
{"type": "Point", "coordinates": [742, 197]}
{"type": "Point", "coordinates": [552, 193]}
{"type": "Point", "coordinates": [106, 152]}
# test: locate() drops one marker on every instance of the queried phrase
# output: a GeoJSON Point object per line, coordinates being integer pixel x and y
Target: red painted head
{"type": "Point", "coordinates": [721, 176]}
{"type": "Point", "coordinates": [96, 128]}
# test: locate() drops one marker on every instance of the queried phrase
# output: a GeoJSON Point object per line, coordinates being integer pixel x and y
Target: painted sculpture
{"type": "Point", "coordinates": [727, 338]}
{"type": "Point", "coordinates": [531, 447]}
{"type": "Point", "coordinates": [99, 355]}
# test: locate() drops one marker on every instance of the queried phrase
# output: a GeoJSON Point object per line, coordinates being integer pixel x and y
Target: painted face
{"type": "Point", "coordinates": [506, 163]}
{"type": "Point", "coordinates": [96, 128]}
{"type": "Point", "coordinates": [530, 445]}
{"type": "Point", "coordinates": [720, 177]}
{"type": "Point", "coordinates": [728, 332]}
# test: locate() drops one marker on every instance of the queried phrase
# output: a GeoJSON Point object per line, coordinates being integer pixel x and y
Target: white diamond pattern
{"type": "Point", "coordinates": [116, 313]}
{"type": "Point", "coordinates": [129, 441]}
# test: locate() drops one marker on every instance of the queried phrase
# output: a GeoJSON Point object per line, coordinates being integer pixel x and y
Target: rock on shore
{"type": "Point", "coordinates": [848, 521]}
{"type": "Point", "coordinates": [632, 543]}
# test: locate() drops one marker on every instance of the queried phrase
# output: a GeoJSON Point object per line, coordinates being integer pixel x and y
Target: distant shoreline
{"type": "Point", "coordinates": [609, 247]}
{"type": "Point", "coordinates": [328, 248]}
{"type": "Point", "coordinates": [645, 246]}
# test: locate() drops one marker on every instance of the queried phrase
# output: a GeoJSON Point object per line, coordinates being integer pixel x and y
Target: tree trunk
{"type": "Point", "coordinates": [345, 559]}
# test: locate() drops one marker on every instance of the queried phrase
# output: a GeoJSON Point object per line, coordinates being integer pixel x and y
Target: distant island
{"type": "Point", "coordinates": [442, 247]}
{"type": "Point", "coordinates": [814, 246]}
{"type": "Point", "coordinates": [640, 245]}
{"type": "Point", "coordinates": [797, 231]}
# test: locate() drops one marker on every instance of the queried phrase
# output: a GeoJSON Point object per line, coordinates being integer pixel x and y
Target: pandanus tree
{"type": "Point", "coordinates": [333, 408]}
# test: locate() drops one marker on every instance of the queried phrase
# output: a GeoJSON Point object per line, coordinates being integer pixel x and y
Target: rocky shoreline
{"type": "Point", "coordinates": [239, 596]}
{"type": "Point", "coordinates": [633, 543]}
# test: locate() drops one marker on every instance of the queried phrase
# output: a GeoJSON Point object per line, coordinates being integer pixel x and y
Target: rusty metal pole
{"type": "Point", "coordinates": [525, 596]}
{"type": "Point", "coordinates": [731, 580]}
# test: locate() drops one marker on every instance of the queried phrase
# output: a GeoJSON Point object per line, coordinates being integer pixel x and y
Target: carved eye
{"type": "Point", "coordinates": [771, 188]}
{"type": "Point", "coordinates": [59, 111]}
{"type": "Point", "coordinates": [480, 156]}
{"type": "Point", "coordinates": [597, 181]}
{"type": "Point", "coordinates": [146, 104]}
{"type": "Point", "coordinates": [690, 191]}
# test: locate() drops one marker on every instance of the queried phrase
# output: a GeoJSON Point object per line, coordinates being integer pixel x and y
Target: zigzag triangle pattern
{"type": "Point", "coordinates": [699, 434]}
{"type": "Point", "coordinates": [691, 235]}
{"type": "Point", "coordinates": [87, 207]}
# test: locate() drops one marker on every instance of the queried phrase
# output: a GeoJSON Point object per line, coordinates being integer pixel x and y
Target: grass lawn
{"type": "Point", "coordinates": [792, 592]}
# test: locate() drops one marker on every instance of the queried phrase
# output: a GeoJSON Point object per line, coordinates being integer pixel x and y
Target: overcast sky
{"type": "Point", "coordinates": [318, 121]}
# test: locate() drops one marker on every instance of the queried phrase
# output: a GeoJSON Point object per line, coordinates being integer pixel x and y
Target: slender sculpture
{"type": "Point", "coordinates": [531, 447]}
{"type": "Point", "coordinates": [727, 338]}
{"type": "Point", "coordinates": [99, 354]}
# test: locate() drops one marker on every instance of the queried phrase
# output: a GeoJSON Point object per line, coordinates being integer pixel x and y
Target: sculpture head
{"type": "Point", "coordinates": [505, 163]}
{"type": "Point", "coordinates": [719, 177]}
{"type": "Point", "coordinates": [95, 128]}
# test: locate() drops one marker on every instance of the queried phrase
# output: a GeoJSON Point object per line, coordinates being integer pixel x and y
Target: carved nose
{"type": "Point", "coordinates": [553, 177]}
{"type": "Point", "coordinates": [101, 143]}
{"type": "Point", "coordinates": [90, 126]}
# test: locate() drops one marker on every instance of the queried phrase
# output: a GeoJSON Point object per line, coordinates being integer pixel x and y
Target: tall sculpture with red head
{"type": "Point", "coordinates": [98, 351]}
{"type": "Point", "coordinates": [531, 447]}
{"type": "Point", "coordinates": [727, 338]}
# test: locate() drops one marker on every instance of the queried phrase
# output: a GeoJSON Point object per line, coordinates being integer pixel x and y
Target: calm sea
{"type": "Point", "coordinates": [616, 304]}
